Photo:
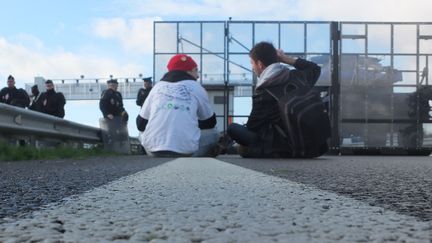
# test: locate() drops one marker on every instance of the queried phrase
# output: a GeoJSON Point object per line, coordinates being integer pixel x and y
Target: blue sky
{"type": "Point", "coordinates": [58, 24]}
{"type": "Point", "coordinates": [96, 38]}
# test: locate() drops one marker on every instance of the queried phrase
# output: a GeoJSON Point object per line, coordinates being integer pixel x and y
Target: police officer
{"type": "Point", "coordinates": [36, 104]}
{"type": "Point", "coordinates": [111, 102]}
{"type": "Point", "coordinates": [13, 96]}
{"type": "Point", "coordinates": [144, 92]}
{"type": "Point", "coordinates": [52, 102]}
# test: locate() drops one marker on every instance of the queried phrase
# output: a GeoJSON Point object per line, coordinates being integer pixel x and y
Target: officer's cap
{"type": "Point", "coordinates": [147, 80]}
{"type": "Point", "coordinates": [112, 81]}
{"type": "Point", "coordinates": [49, 81]}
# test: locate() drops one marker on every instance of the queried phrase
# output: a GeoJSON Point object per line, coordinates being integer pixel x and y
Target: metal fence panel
{"type": "Point", "coordinates": [375, 74]}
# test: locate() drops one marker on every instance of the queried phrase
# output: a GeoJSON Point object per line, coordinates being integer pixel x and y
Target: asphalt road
{"type": "Point", "coordinates": [207, 200]}
{"type": "Point", "coordinates": [25, 186]}
{"type": "Point", "coordinates": [402, 184]}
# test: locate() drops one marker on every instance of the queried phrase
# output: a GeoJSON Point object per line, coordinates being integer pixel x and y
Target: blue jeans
{"type": "Point", "coordinates": [208, 141]}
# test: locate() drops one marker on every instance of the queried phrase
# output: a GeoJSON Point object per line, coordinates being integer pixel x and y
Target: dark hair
{"type": "Point", "coordinates": [264, 52]}
{"type": "Point", "coordinates": [49, 81]}
{"type": "Point", "coordinates": [11, 77]}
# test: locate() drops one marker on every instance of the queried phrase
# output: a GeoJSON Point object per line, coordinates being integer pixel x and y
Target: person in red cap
{"type": "Point", "coordinates": [177, 118]}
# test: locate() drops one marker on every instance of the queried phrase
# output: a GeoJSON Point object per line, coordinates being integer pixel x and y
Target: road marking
{"type": "Point", "coordinates": [196, 199]}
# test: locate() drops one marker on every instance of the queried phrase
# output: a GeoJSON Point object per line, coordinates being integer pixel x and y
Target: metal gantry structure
{"type": "Point", "coordinates": [90, 88]}
{"type": "Point", "coordinates": [374, 78]}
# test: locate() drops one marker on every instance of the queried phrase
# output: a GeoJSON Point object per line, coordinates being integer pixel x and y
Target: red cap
{"type": "Point", "coordinates": [181, 62]}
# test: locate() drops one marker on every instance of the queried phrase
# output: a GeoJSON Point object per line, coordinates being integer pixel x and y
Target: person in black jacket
{"type": "Point", "coordinates": [258, 136]}
{"type": "Point", "coordinates": [12, 96]}
{"type": "Point", "coordinates": [52, 102]}
{"type": "Point", "coordinates": [144, 92]}
{"type": "Point", "coordinates": [111, 102]}
{"type": "Point", "coordinates": [36, 104]}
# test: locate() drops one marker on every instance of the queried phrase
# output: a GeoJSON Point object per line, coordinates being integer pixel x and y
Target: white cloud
{"type": "Point", "coordinates": [336, 10]}
{"type": "Point", "coordinates": [365, 10]}
{"type": "Point", "coordinates": [205, 9]}
{"type": "Point", "coordinates": [27, 40]}
{"type": "Point", "coordinates": [26, 62]}
{"type": "Point", "coordinates": [135, 35]}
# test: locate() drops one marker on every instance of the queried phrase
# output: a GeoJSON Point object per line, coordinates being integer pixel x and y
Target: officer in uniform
{"type": "Point", "coordinates": [36, 104]}
{"type": "Point", "coordinates": [144, 92]}
{"type": "Point", "coordinates": [111, 102]}
{"type": "Point", "coordinates": [52, 102]}
{"type": "Point", "coordinates": [12, 96]}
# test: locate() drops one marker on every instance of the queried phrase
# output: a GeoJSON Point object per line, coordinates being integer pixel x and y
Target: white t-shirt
{"type": "Point", "coordinates": [173, 110]}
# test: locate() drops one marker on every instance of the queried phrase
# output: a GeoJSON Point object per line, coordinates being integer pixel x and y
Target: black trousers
{"type": "Point", "coordinates": [242, 135]}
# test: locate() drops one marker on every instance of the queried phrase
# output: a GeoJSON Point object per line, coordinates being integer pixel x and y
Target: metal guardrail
{"type": "Point", "coordinates": [32, 125]}
{"type": "Point", "coordinates": [19, 121]}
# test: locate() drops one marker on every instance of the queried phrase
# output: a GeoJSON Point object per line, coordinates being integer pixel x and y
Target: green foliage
{"type": "Point", "coordinates": [15, 153]}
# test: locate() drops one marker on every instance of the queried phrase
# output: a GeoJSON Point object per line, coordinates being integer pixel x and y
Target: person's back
{"type": "Point", "coordinates": [174, 113]}
{"type": "Point", "coordinates": [263, 135]}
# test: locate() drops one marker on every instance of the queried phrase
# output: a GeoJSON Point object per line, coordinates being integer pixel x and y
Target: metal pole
{"type": "Point", "coordinates": [365, 77]}
{"type": "Point", "coordinates": [178, 37]}
{"type": "Point", "coordinates": [226, 63]}
{"type": "Point", "coordinates": [154, 51]}
{"type": "Point", "coordinates": [201, 52]}
{"type": "Point", "coordinates": [418, 125]}
{"type": "Point", "coordinates": [335, 87]}
{"type": "Point", "coordinates": [227, 71]}
{"type": "Point", "coordinates": [304, 40]}
{"type": "Point", "coordinates": [392, 128]}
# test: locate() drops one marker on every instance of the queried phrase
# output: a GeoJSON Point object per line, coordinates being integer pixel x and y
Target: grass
{"type": "Point", "coordinates": [16, 153]}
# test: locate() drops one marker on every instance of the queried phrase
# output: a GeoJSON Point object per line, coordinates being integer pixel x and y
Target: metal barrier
{"type": "Point", "coordinates": [36, 128]}
{"type": "Point", "coordinates": [31, 125]}
{"type": "Point", "coordinates": [375, 76]}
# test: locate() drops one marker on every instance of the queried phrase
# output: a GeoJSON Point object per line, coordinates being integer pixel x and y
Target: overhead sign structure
{"type": "Point", "coordinates": [374, 77]}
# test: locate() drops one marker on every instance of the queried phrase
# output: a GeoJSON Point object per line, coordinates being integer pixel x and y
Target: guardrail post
{"type": "Point", "coordinates": [115, 135]}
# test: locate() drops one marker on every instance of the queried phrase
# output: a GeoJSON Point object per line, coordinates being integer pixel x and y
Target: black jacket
{"type": "Point", "coordinates": [15, 97]}
{"type": "Point", "coordinates": [265, 110]}
{"type": "Point", "coordinates": [111, 102]}
{"type": "Point", "coordinates": [36, 104]}
{"type": "Point", "coordinates": [142, 96]}
{"type": "Point", "coordinates": [52, 103]}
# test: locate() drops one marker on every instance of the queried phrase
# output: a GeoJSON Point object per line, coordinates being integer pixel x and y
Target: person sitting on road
{"type": "Point", "coordinates": [259, 137]}
{"type": "Point", "coordinates": [177, 118]}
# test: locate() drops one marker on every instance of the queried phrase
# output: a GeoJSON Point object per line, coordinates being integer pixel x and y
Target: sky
{"type": "Point", "coordinates": [97, 38]}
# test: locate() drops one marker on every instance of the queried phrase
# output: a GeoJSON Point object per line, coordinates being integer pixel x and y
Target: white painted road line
{"type": "Point", "coordinates": [196, 199]}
